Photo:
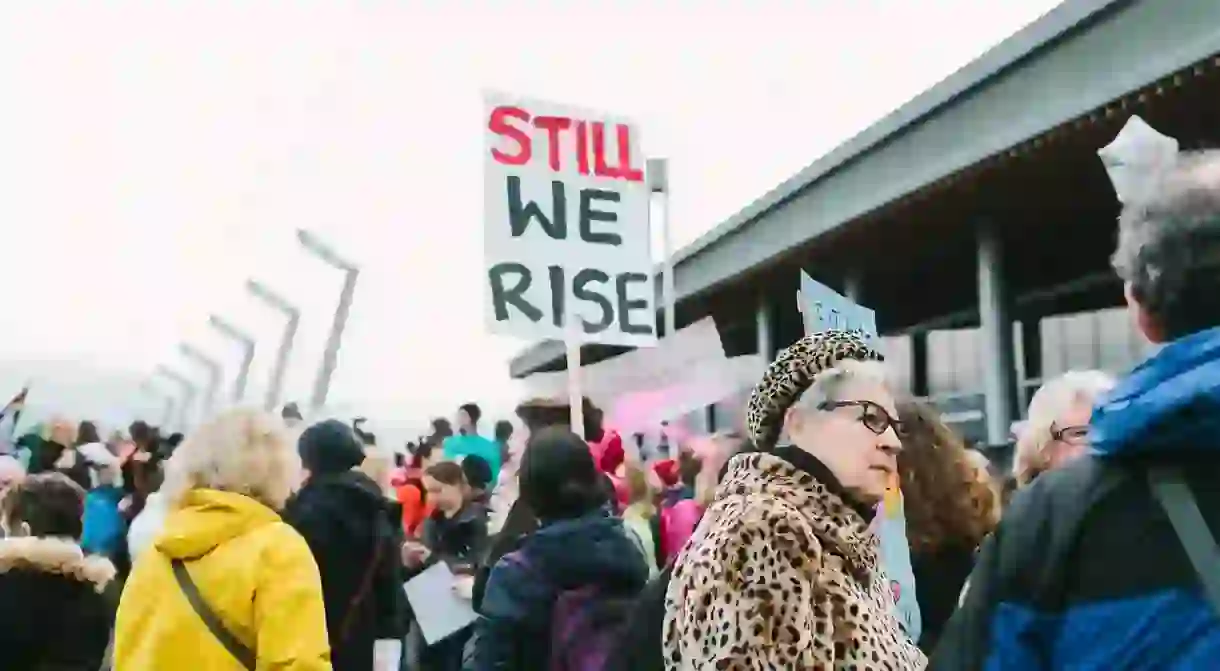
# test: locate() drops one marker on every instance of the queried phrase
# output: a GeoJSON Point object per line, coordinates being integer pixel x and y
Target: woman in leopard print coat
{"type": "Point", "coordinates": [782, 572]}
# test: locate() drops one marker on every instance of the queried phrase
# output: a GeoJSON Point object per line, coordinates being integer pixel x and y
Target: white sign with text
{"type": "Point", "coordinates": [565, 215]}
{"type": "Point", "coordinates": [824, 309]}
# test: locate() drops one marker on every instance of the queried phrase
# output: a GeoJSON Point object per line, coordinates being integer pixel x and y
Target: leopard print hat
{"type": "Point", "coordinates": [791, 374]}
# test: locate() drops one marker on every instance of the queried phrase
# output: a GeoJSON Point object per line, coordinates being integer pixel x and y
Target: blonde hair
{"type": "Point", "coordinates": [1051, 400]}
{"type": "Point", "coordinates": [640, 491]}
{"type": "Point", "coordinates": [60, 430]}
{"type": "Point", "coordinates": [242, 451]}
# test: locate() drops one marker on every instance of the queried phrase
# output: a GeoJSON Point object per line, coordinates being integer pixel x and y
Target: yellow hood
{"type": "Point", "coordinates": [206, 518]}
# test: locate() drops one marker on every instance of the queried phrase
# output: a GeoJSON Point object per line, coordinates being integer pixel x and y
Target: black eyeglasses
{"type": "Point", "coordinates": [874, 417]}
{"type": "Point", "coordinates": [1072, 435]}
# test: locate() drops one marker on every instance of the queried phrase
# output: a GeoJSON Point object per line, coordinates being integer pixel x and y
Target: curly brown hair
{"type": "Point", "coordinates": [947, 497]}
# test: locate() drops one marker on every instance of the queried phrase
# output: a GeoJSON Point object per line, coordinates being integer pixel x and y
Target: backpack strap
{"type": "Point", "coordinates": [1171, 491]}
{"type": "Point", "coordinates": [226, 638]}
{"type": "Point", "coordinates": [366, 585]}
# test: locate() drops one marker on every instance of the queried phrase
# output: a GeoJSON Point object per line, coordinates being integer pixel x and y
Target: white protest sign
{"type": "Point", "coordinates": [565, 212]}
{"type": "Point", "coordinates": [673, 360]}
{"type": "Point", "coordinates": [696, 388]}
{"type": "Point", "coordinates": [824, 309]}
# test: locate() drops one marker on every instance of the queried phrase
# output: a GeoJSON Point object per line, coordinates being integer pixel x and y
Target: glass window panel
{"type": "Point", "coordinates": [1080, 344]}
{"type": "Point", "coordinates": [1053, 363]}
{"type": "Point", "coordinates": [897, 351]}
{"type": "Point", "coordinates": [941, 373]}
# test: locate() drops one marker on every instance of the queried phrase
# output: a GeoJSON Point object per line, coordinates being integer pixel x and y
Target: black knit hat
{"type": "Point", "coordinates": [330, 447]}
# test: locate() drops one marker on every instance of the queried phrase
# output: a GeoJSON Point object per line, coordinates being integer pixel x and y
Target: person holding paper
{"type": "Point", "coordinates": [456, 534]}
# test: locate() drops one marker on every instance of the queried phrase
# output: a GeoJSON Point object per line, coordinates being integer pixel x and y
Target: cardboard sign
{"type": "Point", "coordinates": [824, 309]}
{"type": "Point", "coordinates": [565, 213]}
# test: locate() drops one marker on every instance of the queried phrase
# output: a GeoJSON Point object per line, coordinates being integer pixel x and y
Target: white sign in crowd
{"type": "Point", "coordinates": [566, 225]}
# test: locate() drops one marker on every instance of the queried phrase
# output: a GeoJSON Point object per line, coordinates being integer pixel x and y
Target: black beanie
{"type": "Point", "coordinates": [330, 447]}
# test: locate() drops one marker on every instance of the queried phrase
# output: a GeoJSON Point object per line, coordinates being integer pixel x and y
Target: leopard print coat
{"type": "Point", "coordinates": [781, 574]}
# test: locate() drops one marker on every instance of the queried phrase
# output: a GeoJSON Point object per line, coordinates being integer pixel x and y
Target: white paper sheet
{"type": "Point", "coordinates": [439, 610]}
{"type": "Point", "coordinates": [387, 655]}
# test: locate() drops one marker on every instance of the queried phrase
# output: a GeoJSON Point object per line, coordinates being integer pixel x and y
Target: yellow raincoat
{"type": "Point", "coordinates": [255, 572]}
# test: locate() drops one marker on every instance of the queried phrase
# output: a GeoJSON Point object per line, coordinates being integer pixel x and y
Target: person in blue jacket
{"type": "Point", "coordinates": [1086, 571]}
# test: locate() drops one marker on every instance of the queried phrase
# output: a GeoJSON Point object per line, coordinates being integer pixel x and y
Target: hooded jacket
{"type": "Point", "coordinates": [514, 632]}
{"type": "Point", "coordinates": [1085, 570]}
{"type": "Point", "coordinates": [782, 574]}
{"type": "Point", "coordinates": [55, 608]}
{"type": "Point", "coordinates": [354, 535]}
{"type": "Point", "coordinates": [254, 571]}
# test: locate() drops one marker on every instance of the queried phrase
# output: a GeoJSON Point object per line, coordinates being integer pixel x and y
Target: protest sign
{"type": "Point", "coordinates": [566, 246]}
{"type": "Point", "coordinates": [824, 309]}
{"type": "Point", "coordinates": [673, 359]}
{"type": "Point", "coordinates": [692, 389]}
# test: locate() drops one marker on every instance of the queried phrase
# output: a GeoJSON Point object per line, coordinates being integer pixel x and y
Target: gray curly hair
{"type": "Point", "coordinates": [1169, 246]}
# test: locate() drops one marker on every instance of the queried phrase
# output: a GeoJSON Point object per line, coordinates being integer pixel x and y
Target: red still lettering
{"type": "Point", "coordinates": [624, 169]}
{"type": "Point", "coordinates": [553, 125]}
{"type": "Point", "coordinates": [501, 123]}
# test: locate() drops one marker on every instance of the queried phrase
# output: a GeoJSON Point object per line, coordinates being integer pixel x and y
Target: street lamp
{"type": "Point", "coordinates": [293, 316]}
{"type": "Point", "coordinates": [330, 356]}
{"type": "Point", "coordinates": [247, 342]}
{"type": "Point", "coordinates": [189, 391]}
{"type": "Point", "coordinates": [214, 369]}
{"type": "Point", "coordinates": [167, 416]}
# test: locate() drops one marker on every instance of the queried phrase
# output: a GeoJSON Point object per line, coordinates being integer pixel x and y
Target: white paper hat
{"type": "Point", "coordinates": [1137, 158]}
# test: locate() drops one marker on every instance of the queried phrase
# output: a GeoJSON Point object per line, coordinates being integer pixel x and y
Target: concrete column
{"type": "Point", "coordinates": [919, 364]}
{"type": "Point", "coordinates": [765, 329]}
{"type": "Point", "coordinates": [999, 381]}
{"type": "Point", "coordinates": [1031, 352]}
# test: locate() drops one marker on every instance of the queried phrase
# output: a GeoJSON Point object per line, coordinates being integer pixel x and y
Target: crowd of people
{"type": "Point", "coordinates": [251, 543]}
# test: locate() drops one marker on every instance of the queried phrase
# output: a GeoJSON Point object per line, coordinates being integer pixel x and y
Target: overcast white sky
{"type": "Point", "coordinates": [155, 155]}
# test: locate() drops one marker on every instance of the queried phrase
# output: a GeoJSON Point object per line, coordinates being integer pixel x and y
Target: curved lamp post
{"type": "Point", "coordinates": [330, 356]}
{"type": "Point", "coordinates": [189, 392]}
{"type": "Point", "coordinates": [167, 415]}
{"type": "Point", "coordinates": [293, 316]}
{"type": "Point", "coordinates": [214, 370]}
{"type": "Point", "coordinates": [247, 342]}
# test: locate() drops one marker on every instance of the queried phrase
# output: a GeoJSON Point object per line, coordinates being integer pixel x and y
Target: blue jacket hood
{"type": "Point", "coordinates": [561, 556]}
{"type": "Point", "coordinates": [1169, 402]}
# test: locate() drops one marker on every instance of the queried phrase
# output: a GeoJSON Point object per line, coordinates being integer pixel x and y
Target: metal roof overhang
{"type": "Point", "coordinates": [1077, 58]}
